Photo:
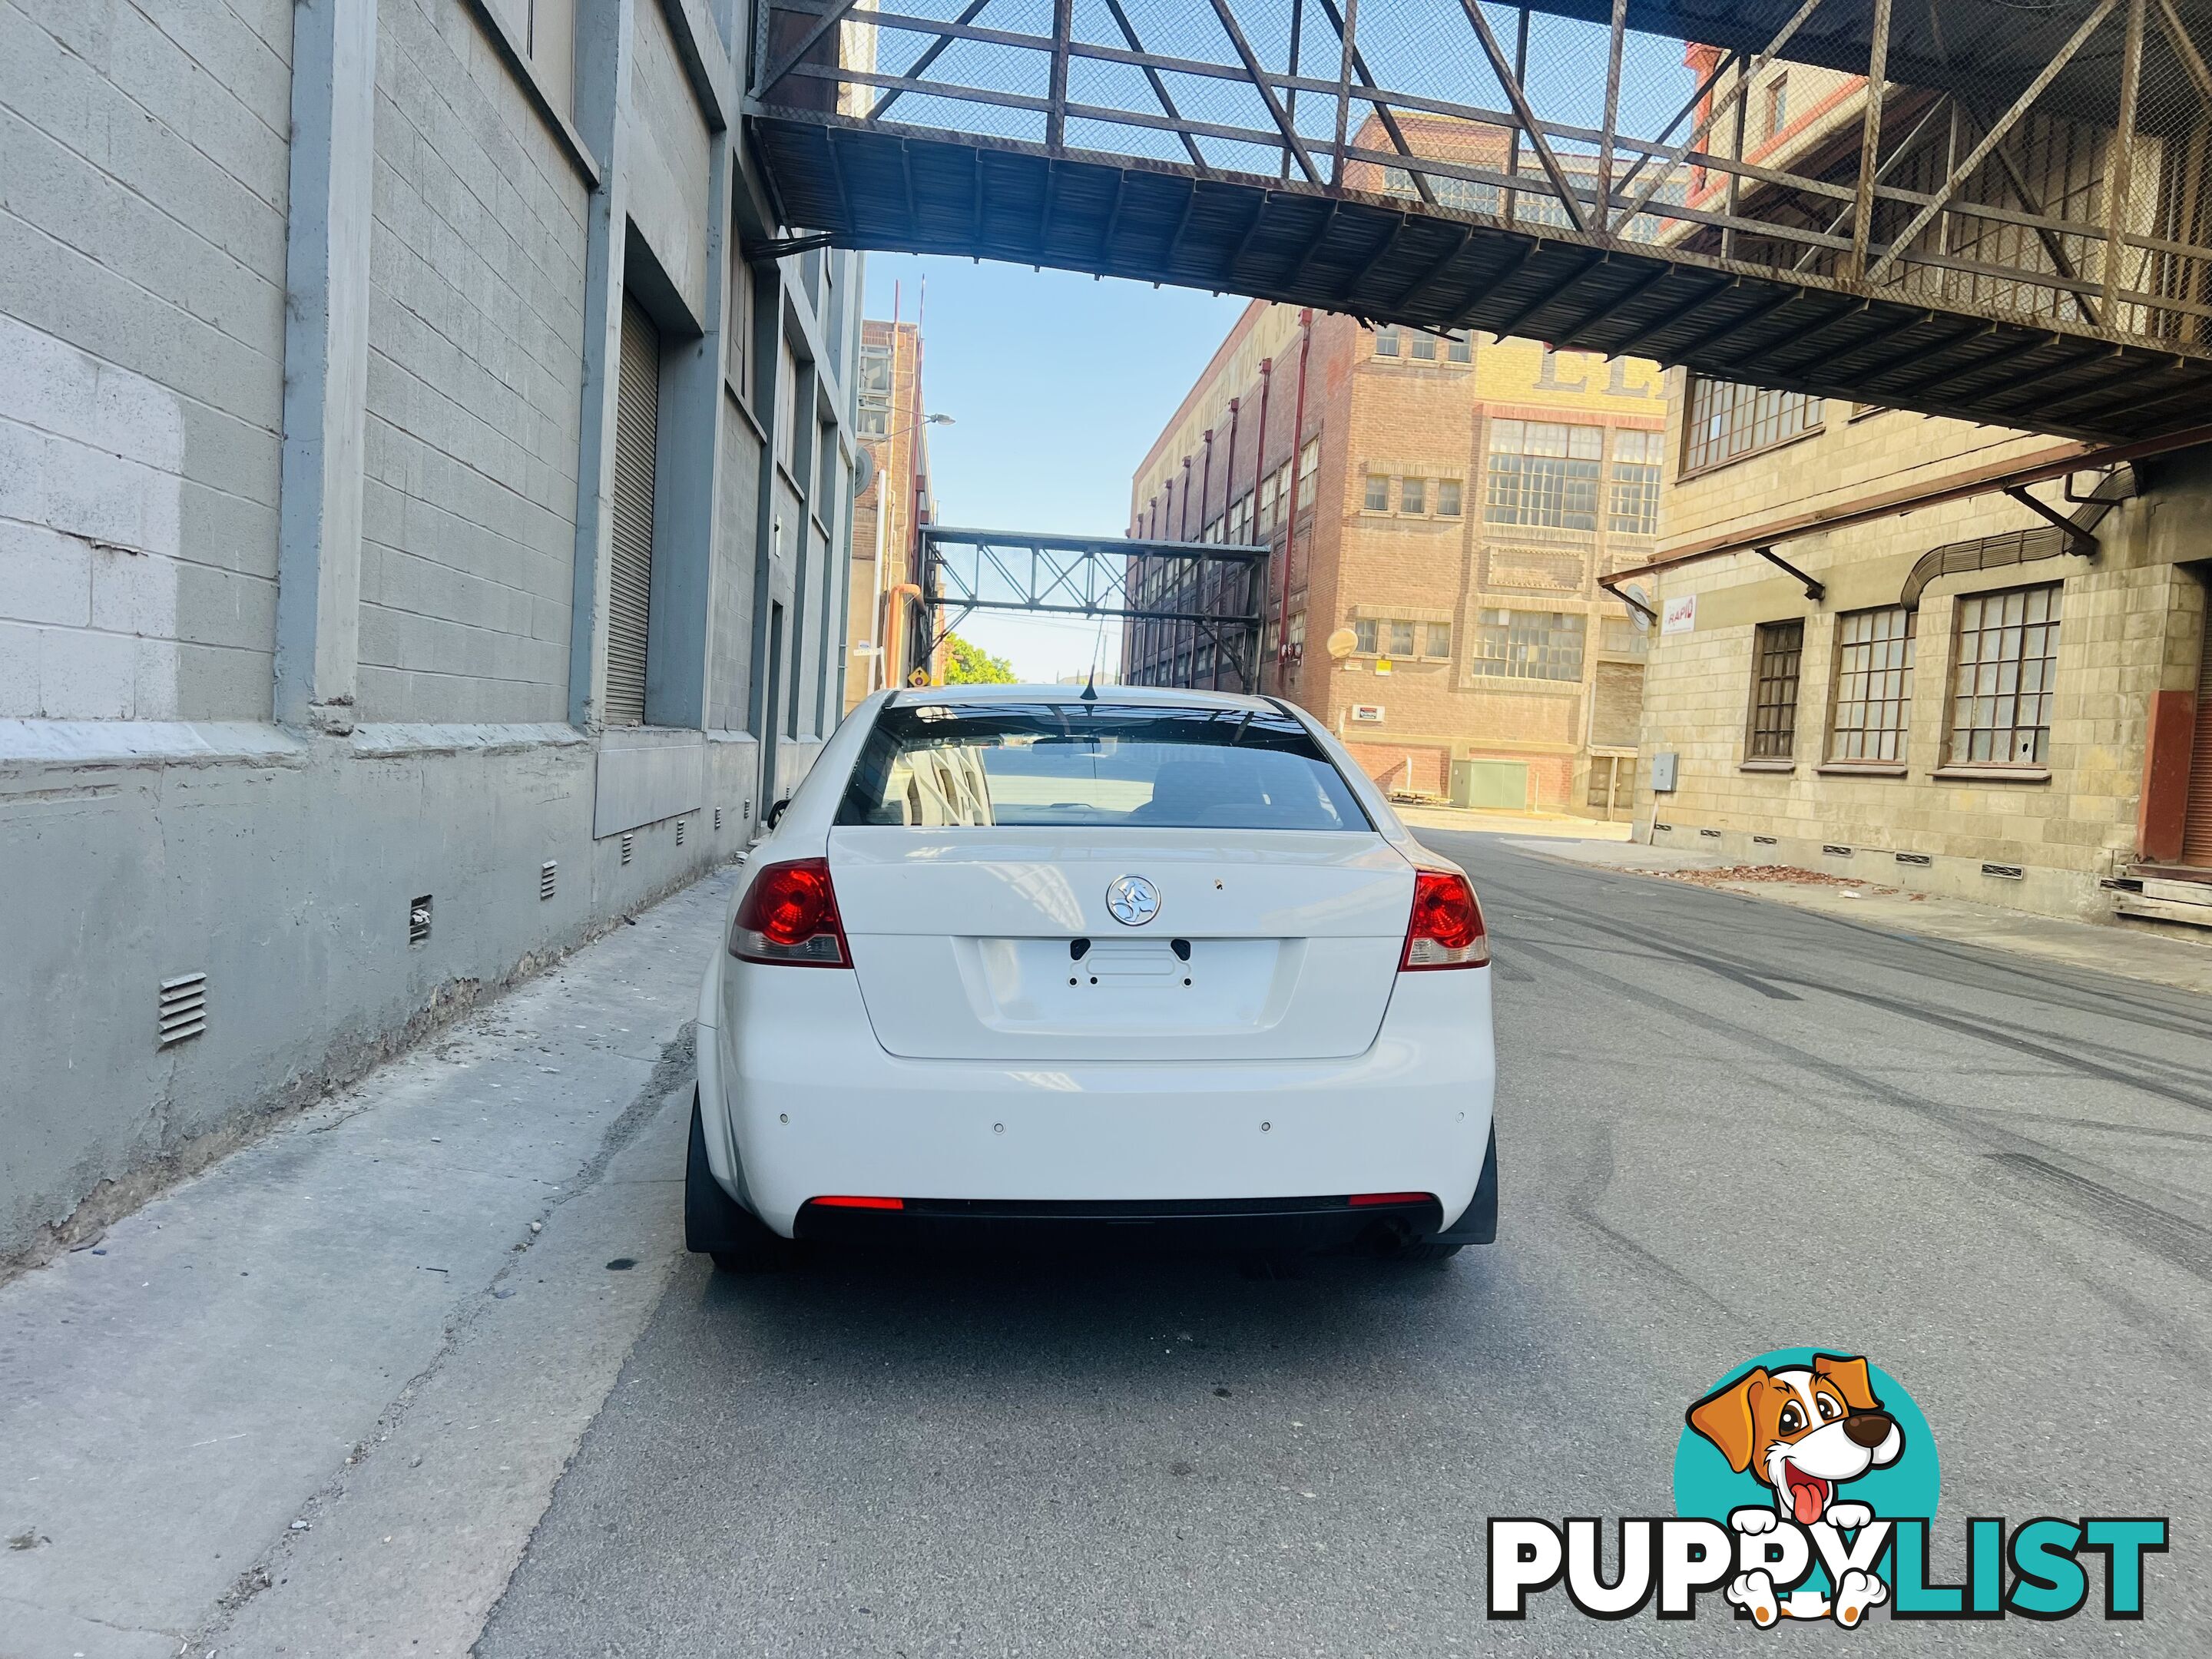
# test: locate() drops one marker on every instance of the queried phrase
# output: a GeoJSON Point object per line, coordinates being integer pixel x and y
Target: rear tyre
{"type": "Point", "coordinates": [716, 1224]}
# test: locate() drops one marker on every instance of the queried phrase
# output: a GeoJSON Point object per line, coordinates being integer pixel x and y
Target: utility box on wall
{"type": "Point", "coordinates": [1663, 768]}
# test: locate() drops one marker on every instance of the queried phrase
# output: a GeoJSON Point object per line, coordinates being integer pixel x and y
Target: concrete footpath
{"type": "Point", "coordinates": [313, 1401]}
{"type": "Point", "coordinates": [2127, 951]}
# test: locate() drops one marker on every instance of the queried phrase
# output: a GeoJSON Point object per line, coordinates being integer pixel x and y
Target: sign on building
{"type": "Point", "coordinates": [1680, 615]}
{"type": "Point", "coordinates": [1367, 713]}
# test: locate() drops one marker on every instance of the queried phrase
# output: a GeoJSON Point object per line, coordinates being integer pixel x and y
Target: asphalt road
{"type": "Point", "coordinates": [1724, 1126]}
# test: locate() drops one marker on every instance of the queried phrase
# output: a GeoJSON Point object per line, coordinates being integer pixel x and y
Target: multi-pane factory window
{"type": "Point", "coordinates": [1529, 644]}
{"type": "Point", "coordinates": [1393, 638]}
{"type": "Point", "coordinates": [873, 419]}
{"type": "Point", "coordinates": [1544, 472]}
{"type": "Point", "coordinates": [1378, 492]}
{"type": "Point", "coordinates": [1632, 509]}
{"type": "Point", "coordinates": [1386, 341]}
{"type": "Point", "coordinates": [1423, 346]}
{"type": "Point", "coordinates": [1448, 498]}
{"type": "Point", "coordinates": [1412, 495]}
{"type": "Point", "coordinates": [1460, 348]}
{"type": "Point", "coordinates": [1308, 466]}
{"type": "Point", "coordinates": [1726, 420]}
{"type": "Point", "coordinates": [1776, 652]}
{"type": "Point", "coordinates": [2007, 668]}
{"type": "Point", "coordinates": [1873, 685]}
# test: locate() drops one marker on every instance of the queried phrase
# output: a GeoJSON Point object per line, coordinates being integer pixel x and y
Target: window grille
{"type": "Point", "coordinates": [1776, 650]}
{"type": "Point", "coordinates": [1726, 421]}
{"type": "Point", "coordinates": [2007, 664]}
{"type": "Point", "coordinates": [1873, 685]}
{"type": "Point", "coordinates": [1529, 644]}
{"type": "Point", "coordinates": [1544, 472]}
{"type": "Point", "coordinates": [1632, 509]}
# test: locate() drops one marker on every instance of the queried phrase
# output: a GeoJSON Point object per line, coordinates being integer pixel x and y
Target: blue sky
{"type": "Point", "coordinates": [1057, 384]}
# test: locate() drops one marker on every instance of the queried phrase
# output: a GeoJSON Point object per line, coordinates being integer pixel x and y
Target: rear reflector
{"type": "Point", "coordinates": [846, 1201]}
{"type": "Point", "coordinates": [1360, 1200]}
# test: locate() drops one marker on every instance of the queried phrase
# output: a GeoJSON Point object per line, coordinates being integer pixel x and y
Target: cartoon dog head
{"type": "Point", "coordinates": [1804, 1429]}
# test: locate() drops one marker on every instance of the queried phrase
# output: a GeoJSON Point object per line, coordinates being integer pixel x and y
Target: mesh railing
{"type": "Point", "coordinates": [2039, 162]}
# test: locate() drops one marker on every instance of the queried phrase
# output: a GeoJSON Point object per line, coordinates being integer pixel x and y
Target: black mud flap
{"type": "Point", "coordinates": [1478, 1225]}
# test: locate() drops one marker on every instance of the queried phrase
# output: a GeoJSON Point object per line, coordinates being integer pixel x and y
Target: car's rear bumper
{"type": "Point", "coordinates": [812, 1106]}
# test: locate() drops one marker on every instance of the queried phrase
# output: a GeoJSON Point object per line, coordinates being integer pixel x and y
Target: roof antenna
{"type": "Point", "coordinates": [1090, 685]}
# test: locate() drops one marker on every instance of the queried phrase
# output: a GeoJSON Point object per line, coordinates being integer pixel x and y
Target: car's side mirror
{"type": "Point", "coordinates": [775, 812]}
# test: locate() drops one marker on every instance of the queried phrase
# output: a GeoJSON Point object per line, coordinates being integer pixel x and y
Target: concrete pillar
{"type": "Point", "coordinates": [325, 362]}
{"type": "Point", "coordinates": [687, 509]}
{"type": "Point", "coordinates": [603, 57]}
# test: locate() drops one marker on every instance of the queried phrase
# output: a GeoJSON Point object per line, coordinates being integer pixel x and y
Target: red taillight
{"type": "Point", "coordinates": [1445, 930]}
{"type": "Point", "coordinates": [1360, 1201]}
{"type": "Point", "coordinates": [789, 916]}
{"type": "Point", "coordinates": [846, 1202]}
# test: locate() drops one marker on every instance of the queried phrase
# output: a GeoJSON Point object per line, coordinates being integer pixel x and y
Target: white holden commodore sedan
{"type": "Point", "coordinates": [1031, 962]}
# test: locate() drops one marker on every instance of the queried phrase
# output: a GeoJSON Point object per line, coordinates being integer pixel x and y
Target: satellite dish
{"type": "Point", "coordinates": [1640, 612]}
{"type": "Point", "coordinates": [864, 472]}
{"type": "Point", "coordinates": [1341, 642]}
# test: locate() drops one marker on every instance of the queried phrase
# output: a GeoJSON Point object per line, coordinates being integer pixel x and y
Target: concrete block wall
{"type": "Point", "coordinates": [156, 820]}
{"type": "Point", "coordinates": [476, 330]}
{"type": "Point", "coordinates": [142, 325]}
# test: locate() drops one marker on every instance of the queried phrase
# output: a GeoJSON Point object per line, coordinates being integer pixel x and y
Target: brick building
{"type": "Point", "coordinates": [883, 640]}
{"type": "Point", "coordinates": [1438, 512]}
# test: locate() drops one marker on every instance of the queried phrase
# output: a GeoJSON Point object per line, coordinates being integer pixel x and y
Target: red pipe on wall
{"type": "Point", "coordinates": [1228, 495]}
{"type": "Point", "coordinates": [1259, 470]}
{"type": "Point", "coordinates": [1291, 533]}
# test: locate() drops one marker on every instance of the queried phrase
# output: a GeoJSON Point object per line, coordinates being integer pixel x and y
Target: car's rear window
{"type": "Point", "coordinates": [1138, 766]}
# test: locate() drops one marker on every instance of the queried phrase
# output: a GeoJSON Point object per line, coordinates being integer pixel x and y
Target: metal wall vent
{"type": "Point", "coordinates": [679, 832]}
{"type": "Point", "coordinates": [749, 806]}
{"type": "Point", "coordinates": [548, 873]}
{"type": "Point", "coordinates": [418, 921]}
{"type": "Point", "coordinates": [1765, 840]}
{"type": "Point", "coordinates": [1836, 852]}
{"type": "Point", "coordinates": [2009, 871]}
{"type": "Point", "coordinates": [1920, 859]}
{"type": "Point", "coordinates": [718, 820]}
{"type": "Point", "coordinates": [1711, 834]}
{"type": "Point", "coordinates": [1662, 828]}
{"type": "Point", "coordinates": [184, 1007]}
{"type": "Point", "coordinates": [629, 845]}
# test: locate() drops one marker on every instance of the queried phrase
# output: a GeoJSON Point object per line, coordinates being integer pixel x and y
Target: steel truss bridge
{"type": "Point", "coordinates": [2012, 227]}
{"type": "Point", "coordinates": [1172, 597]}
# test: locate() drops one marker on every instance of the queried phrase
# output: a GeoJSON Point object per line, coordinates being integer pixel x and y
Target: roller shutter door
{"type": "Point", "coordinates": [629, 586]}
{"type": "Point", "coordinates": [2196, 832]}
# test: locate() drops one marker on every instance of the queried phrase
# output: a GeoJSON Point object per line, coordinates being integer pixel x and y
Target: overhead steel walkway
{"type": "Point", "coordinates": [2014, 230]}
{"type": "Point", "coordinates": [1178, 602]}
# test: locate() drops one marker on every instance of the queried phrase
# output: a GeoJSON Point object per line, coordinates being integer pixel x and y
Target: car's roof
{"type": "Point", "coordinates": [1149, 696]}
